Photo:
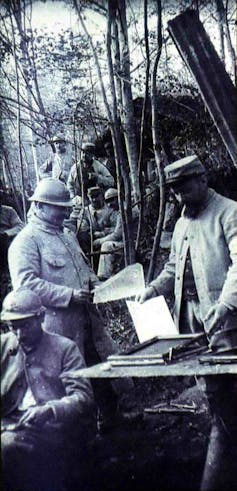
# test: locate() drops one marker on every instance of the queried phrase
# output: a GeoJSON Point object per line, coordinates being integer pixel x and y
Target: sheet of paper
{"type": "Point", "coordinates": [127, 283]}
{"type": "Point", "coordinates": [152, 318]}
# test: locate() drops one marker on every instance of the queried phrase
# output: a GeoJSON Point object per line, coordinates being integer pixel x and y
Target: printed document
{"type": "Point", "coordinates": [152, 318]}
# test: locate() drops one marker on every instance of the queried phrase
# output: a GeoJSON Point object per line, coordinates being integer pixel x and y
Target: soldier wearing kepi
{"type": "Point", "coordinates": [48, 259]}
{"type": "Point", "coordinates": [202, 273]}
{"type": "Point", "coordinates": [43, 402]}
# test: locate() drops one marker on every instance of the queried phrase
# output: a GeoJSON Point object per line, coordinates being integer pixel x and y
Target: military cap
{"type": "Point", "coordinates": [57, 139]}
{"type": "Point", "coordinates": [183, 168]}
{"type": "Point", "coordinates": [111, 193]}
{"type": "Point", "coordinates": [94, 190]}
{"type": "Point", "coordinates": [21, 304]}
{"type": "Point", "coordinates": [88, 147]}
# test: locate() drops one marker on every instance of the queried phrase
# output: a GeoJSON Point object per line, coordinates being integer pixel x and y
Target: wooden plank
{"type": "Point", "coordinates": [215, 85]}
{"type": "Point", "coordinates": [181, 368]}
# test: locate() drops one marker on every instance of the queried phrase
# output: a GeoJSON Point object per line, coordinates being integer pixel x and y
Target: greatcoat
{"type": "Point", "coordinates": [49, 261]}
{"type": "Point", "coordinates": [212, 239]}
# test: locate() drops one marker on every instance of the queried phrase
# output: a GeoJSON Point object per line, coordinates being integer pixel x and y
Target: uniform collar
{"type": "Point", "coordinates": [44, 225]}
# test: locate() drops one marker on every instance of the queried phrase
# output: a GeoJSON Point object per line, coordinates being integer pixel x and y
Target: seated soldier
{"type": "Point", "coordinates": [93, 221]}
{"type": "Point", "coordinates": [90, 171]}
{"type": "Point", "coordinates": [44, 403]}
{"type": "Point", "coordinates": [111, 240]}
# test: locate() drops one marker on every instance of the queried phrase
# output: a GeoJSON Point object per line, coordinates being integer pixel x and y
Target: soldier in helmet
{"type": "Point", "coordinates": [47, 258]}
{"type": "Point", "coordinates": [40, 395]}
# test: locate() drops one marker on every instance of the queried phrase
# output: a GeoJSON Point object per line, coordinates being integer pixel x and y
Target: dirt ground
{"type": "Point", "coordinates": [162, 452]}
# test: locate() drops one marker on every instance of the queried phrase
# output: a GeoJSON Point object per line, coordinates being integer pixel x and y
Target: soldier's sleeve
{"type": "Point", "coordinates": [103, 175]}
{"type": "Point", "coordinates": [25, 270]}
{"type": "Point", "coordinates": [78, 397]}
{"type": "Point", "coordinates": [15, 223]}
{"type": "Point", "coordinates": [229, 290]}
{"type": "Point", "coordinates": [115, 231]}
{"type": "Point", "coordinates": [70, 184]}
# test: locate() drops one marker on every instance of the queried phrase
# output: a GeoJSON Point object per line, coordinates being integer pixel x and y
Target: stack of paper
{"type": "Point", "coordinates": [152, 318]}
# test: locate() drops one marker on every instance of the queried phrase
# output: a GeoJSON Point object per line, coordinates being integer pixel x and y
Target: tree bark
{"type": "Point", "coordinates": [155, 123]}
{"type": "Point", "coordinates": [142, 127]}
{"type": "Point", "coordinates": [123, 180]}
{"type": "Point", "coordinates": [128, 109]}
{"type": "Point", "coordinates": [19, 125]}
{"type": "Point", "coordinates": [221, 16]}
{"type": "Point", "coordinates": [116, 141]}
{"type": "Point", "coordinates": [230, 46]}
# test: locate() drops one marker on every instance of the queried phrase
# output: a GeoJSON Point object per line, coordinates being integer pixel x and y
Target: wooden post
{"type": "Point", "coordinates": [215, 85]}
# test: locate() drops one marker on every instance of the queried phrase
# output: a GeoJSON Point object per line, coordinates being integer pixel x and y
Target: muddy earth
{"type": "Point", "coordinates": [161, 452]}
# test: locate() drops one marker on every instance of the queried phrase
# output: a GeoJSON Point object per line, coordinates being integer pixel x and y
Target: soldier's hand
{"type": "Point", "coordinates": [36, 415]}
{"type": "Point", "coordinates": [98, 234]}
{"type": "Point", "coordinates": [81, 296]}
{"type": "Point", "coordinates": [149, 292]}
{"type": "Point", "coordinates": [216, 317]}
{"type": "Point", "coordinates": [97, 243]}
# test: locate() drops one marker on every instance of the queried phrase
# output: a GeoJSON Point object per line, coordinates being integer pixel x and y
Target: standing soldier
{"type": "Point", "coordinates": [47, 258]}
{"type": "Point", "coordinates": [202, 273]}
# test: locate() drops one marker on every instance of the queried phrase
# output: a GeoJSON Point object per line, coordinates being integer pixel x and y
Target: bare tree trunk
{"type": "Point", "coordinates": [155, 123]}
{"type": "Point", "coordinates": [19, 124]}
{"type": "Point", "coordinates": [33, 148]}
{"type": "Point", "coordinates": [114, 131]}
{"type": "Point", "coordinates": [121, 168]}
{"type": "Point", "coordinates": [120, 159]}
{"type": "Point", "coordinates": [128, 110]}
{"type": "Point", "coordinates": [30, 66]}
{"type": "Point", "coordinates": [117, 64]}
{"type": "Point", "coordinates": [221, 16]}
{"type": "Point", "coordinates": [230, 46]}
{"type": "Point", "coordinates": [143, 118]}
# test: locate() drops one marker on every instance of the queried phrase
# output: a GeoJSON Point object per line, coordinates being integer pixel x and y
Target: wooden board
{"type": "Point", "coordinates": [181, 368]}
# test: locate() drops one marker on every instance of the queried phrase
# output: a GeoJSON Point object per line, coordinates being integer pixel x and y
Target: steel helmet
{"type": "Point", "coordinates": [53, 192]}
{"type": "Point", "coordinates": [20, 304]}
{"type": "Point", "coordinates": [111, 193]}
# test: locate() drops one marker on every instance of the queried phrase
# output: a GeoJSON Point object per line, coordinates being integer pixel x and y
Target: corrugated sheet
{"type": "Point", "coordinates": [215, 85]}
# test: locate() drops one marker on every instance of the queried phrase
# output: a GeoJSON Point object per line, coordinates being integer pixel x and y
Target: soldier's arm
{"type": "Point", "coordinates": [15, 223]}
{"type": "Point", "coordinates": [78, 397]}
